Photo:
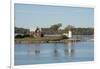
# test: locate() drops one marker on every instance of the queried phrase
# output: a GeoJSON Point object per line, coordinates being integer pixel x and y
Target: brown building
{"type": "Point", "coordinates": [37, 33]}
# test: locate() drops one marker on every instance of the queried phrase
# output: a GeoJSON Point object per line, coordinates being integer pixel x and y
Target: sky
{"type": "Point", "coordinates": [30, 16]}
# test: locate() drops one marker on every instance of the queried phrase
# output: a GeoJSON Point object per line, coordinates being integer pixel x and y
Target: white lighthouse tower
{"type": "Point", "coordinates": [69, 34]}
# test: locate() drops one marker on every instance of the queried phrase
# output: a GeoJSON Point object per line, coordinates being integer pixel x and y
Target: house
{"type": "Point", "coordinates": [37, 33]}
{"type": "Point", "coordinates": [69, 34]}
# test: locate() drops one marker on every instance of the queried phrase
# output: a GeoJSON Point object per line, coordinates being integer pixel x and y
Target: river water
{"type": "Point", "coordinates": [44, 53]}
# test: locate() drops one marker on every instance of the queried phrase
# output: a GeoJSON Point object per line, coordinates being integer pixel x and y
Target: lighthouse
{"type": "Point", "coordinates": [69, 34]}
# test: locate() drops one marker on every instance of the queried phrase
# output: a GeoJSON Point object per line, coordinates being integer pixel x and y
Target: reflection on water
{"type": "Point", "coordinates": [53, 52]}
{"type": "Point", "coordinates": [69, 49]}
{"type": "Point", "coordinates": [34, 50]}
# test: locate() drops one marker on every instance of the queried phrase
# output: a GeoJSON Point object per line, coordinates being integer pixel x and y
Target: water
{"type": "Point", "coordinates": [43, 53]}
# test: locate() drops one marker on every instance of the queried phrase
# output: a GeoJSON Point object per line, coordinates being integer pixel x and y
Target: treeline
{"type": "Point", "coordinates": [22, 30]}
{"type": "Point", "coordinates": [83, 31]}
{"type": "Point", "coordinates": [57, 30]}
{"type": "Point", "coordinates": [75, 31]}
{"type": "Point", "coordinates": [78, 31]}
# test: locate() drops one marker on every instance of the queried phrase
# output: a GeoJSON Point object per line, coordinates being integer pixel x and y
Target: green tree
{"type": "Point", "coordinates": [69, 27]}
{"type": "Point", "coordinates": [55, 27]}
{"type": "Point", "coordinates": [22, 30]}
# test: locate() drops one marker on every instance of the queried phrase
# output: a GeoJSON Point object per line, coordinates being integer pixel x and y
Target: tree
{"type": "Point", "coordinates": [69, 27]}
{"type": "Point", "coordinates": [22, 30]}
{"type": "Point", "coordinates": [55, 27]}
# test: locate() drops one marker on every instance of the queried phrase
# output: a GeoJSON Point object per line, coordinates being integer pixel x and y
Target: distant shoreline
{"type": "Point", "coordinates": [48, 39]}
{"type": "Point", "coordinates": [39, 39]}
{"type": "Point", "coordinates": [43, 40]}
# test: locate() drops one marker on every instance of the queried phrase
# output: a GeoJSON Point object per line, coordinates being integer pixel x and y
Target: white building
{"type": "Point", "coordinates": [69, 34]}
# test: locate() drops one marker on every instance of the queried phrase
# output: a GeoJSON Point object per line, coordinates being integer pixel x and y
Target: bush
{"type": "Point", "coordinates": [42, 35]}
{"type": "Point", "coordinates": [22, 36]}
{"type": "Point", "coordinates": [64, 37]}
{"type": "Point", "coordinates": [26, 35]}
{"type": "Point", "coordinates": [19, 36]}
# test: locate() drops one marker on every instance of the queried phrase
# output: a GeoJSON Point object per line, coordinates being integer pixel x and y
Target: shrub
{"type": "Point", "coordinates": [26, 35]}
{"type": "Point", "coordinates": [19, 36]}
{"type": "Point", "coordinates": [22, 36]}
{"type": "Point", "coordinates": [64, 37]}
